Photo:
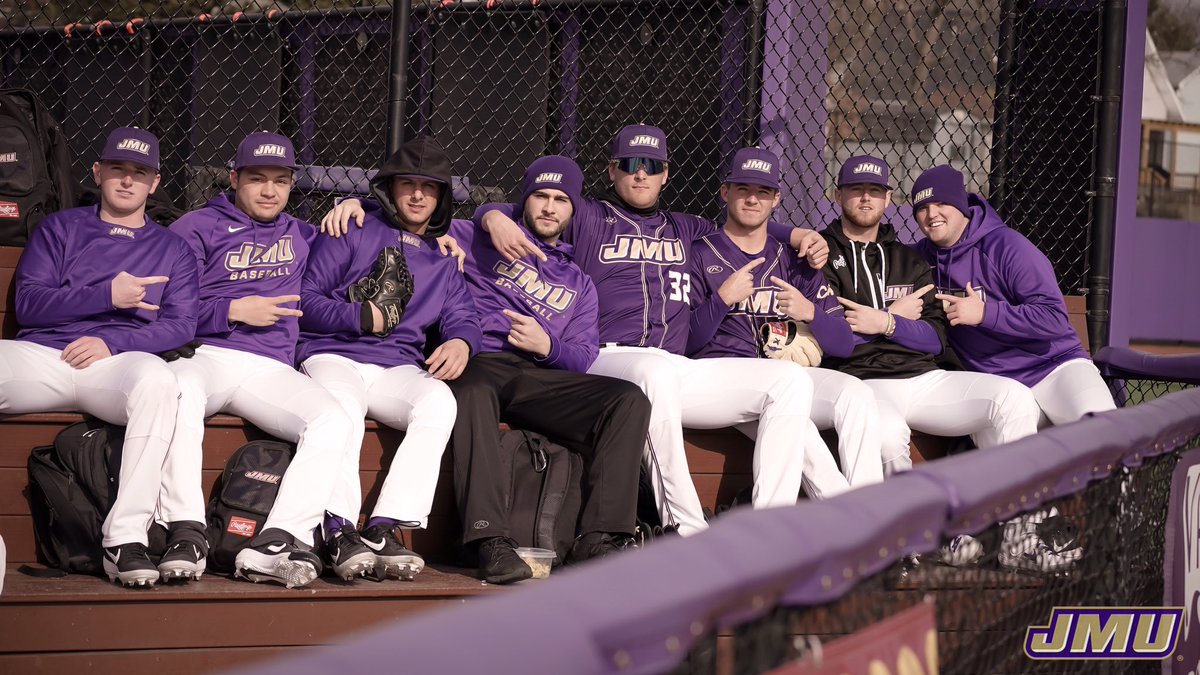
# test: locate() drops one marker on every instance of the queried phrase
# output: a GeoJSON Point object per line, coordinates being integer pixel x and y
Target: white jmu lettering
{"type": "Point", "coordinates": [549, 177]}
{"type": "Point", "coordinates": [756, 165]}
{"type": "Point", "coordinates": [270, 150]}
{"type": "Point", "coordinates": [923, 194]}
{"type": "Point", "coordinates": [869, 167]}
{"type": "Point", "coordinates": [632, 248]}
{"type": "Point", "coordinates": [649, 141]}
{"type": "Point", "coordinates": [141, 147]}
{"type": "Point", "coordinates": [762, 302]}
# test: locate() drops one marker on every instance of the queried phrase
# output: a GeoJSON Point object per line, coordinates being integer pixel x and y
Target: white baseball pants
{"type": "Point", "coordinates": [133, 389]}
{"type": "Point", "coordinates": [276, 399]}
{"type": "Point", "coordinates": [989, 408]}
{"type": "Point", "coordinates": [711, 394]}
{"type": "Point", "coordinates": [405, 398]}
{"type": "Point", "coordinates": [1071, 391]}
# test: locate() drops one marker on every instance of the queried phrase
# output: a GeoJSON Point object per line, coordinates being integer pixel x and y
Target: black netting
{"type": "Point", "coordinates": [1001, 89]}
{"type": "Point", "coordinates": [983, 611]}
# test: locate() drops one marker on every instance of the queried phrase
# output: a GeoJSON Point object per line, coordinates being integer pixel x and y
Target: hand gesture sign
{"type": "Point", "coordinates": [792, 302]}
{"type": "Point", "coordinates": [740, 284]}
{"type": "Point", "coordinates": [864, 320]}
{"type": "Point", "coordinates": [910, 306]}
{"type": "Point", "coordinates": [129, 291]}
{"type": "Point", "coordinates": [256, 310]}
{"type": "Point", "coordinates": [527, 334]}
{"type": "Point", "coordinates": [967, 311]}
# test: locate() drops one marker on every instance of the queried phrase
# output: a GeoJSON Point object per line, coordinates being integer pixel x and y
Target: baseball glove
{"type": "Point", "coordinates": [389, 287]}
{"type": "Point", "coordinates": [791, 341]}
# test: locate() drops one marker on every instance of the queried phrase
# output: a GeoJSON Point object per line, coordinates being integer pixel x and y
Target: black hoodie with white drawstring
{"type": "Point", "coordinates": [875, 274]}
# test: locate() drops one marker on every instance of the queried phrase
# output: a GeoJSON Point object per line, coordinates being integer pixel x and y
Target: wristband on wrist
{"type": "Point", "coordinates": [891, 326]}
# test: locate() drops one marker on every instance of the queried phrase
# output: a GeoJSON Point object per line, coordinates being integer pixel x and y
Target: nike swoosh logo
{"type": "Point", "coordinates": [374, 546]}
{"type": "Point", "coordinates": [276, 548]}
{"type": "Point", "coordinates": [115, 558]}
{"type": "Point", "coordinates": [234, 230]}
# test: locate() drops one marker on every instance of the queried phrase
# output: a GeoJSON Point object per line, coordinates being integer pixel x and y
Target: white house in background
{"type": "Point", "coordinates": [1169, 180]}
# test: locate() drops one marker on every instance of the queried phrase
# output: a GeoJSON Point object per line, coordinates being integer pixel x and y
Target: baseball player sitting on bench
{"type": "Point", "coordinates": [369, 298]}
{"type": "Point", "coordinates": [871, 271]}
{"type": "Point", "coordinates": [637, 256]}
{"type": "Point", "coordinates": [99, 291]}
{"type": "Point", "coordinates": [252, 257]}
{"type": "Point", "coordinates": [1007, 316]}
{"type": "Point", "coordinates": [540, 336]}
{"type": "Point", "coordinates": [751, 293]}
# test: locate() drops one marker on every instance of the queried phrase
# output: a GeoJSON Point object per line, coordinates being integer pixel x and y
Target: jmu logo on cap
{"type": "Point", "coordinates": [8, 157]}
{"type": "Point", "coordinates": [869, 167]}
{"type": "Point", "coordinates": [134, 145]}
{"type": "Point", "coordinates": [270, 150]}
{"type": "Point", "coordinates": [756, 165]}
{"type": "Point", "coordinates": [923, 194]}
{"type": "Point", "coordinates": [548, 177]}
{"type": "Point", "coordinates": [644, 139]}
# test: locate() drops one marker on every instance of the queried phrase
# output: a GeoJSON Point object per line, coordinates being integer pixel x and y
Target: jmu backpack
{"type": "Point", "coordinates": [243, 497]}
{"type": "Point", "coordinates": [72, 487]}
{"type": "Point", "coordinates": [35, 166]}
{"type": "Point", "coordinates": [546, 491]}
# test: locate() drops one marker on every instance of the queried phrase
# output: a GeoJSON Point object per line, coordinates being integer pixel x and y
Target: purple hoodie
{"type": "Point", "coordinates": [556, 293]}
{"type": "Point", "coordinates": [64, 284]}
{"type": "Point", "coordinates": [332, 324]}
{"type": "Point", "coordinates": [639, 264]}
{"type": "Point", "coordinates": [1025, 332]}
{"type": "Point", "coordinates": [238, 257]}
{"type": "Point", "coordinates": [719, 330]}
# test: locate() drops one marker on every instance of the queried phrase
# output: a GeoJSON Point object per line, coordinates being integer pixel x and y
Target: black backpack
{"type": "Point", "coordinates": [72, 487]}
{"type": "Point", "coordinates": [35, 166]}
{"type": "Point", "coordinates": [546, 494]}
{"type": "Point", "coordinates": [243, 497]}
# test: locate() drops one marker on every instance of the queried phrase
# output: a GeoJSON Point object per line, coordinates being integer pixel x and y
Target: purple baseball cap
{"type": "Point", "coordinates": [131, 144]}
{"type": "Point", "coordinates": [862, 169]}
{"type": "Point", "coordinates": [754, 166]}
{"type": "Point", "coordinates": [942, 184]}
{"type": "Point", "coordinates": [640, 140]}
{"type": "Point", "coordinates": [553, 172]}
{"type": "Point", "coordinates": [263, 148]}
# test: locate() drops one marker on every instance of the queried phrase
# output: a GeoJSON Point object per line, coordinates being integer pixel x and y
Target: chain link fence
{"type": "Point", "coordinates": [1001, 89]}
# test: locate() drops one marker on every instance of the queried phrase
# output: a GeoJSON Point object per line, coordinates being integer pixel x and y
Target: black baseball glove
{"type": "Point", "coordinates": [388, 287]}
{"type": "Point", "coordinates": [184, 352]}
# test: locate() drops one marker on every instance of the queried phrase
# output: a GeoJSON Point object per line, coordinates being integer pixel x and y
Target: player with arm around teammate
{"type": "Point", "coordinates": [1007, 316]}
{"type": "Point", "coordinates": [539, 325]}
{"type": "Point", "coordinates": [251, 257]}
{"type": "Point", "coordinates": [745, 280]}
{"type": "Point", "coordinates": [99, 291]}
{"type": "Point", "coordinates": [364, 343]}
{"type": "Point", "coordinates": [636, 254]}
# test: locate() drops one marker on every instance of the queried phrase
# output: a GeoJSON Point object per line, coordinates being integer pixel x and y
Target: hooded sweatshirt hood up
{"type": "Point", "coordinates": [1026, 332]}
{"type": "Point", "coordinates": [422, 157]}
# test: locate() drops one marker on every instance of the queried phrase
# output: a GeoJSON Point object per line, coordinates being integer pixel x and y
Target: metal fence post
{"type": "Point", "coordinates": [397, 76]}
{"type": "Point", "coordinates": [1001, 124]}
{"type": "Point", "coordinates": [1108, 112]}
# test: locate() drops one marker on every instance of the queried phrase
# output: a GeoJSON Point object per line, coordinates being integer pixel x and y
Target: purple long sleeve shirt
{"type": "Point", "coordinates": [64, 284]}
{"type": "Point", "coordinates": [332, 324]}
{"type": "Point", "coordinates": [556, 293]}
{"type": "Point", "coordinates": [238, 257]}
{"type": "Point", "coordinates": [639, 265]}
{"type": "Point", "coordinates": [718, 330]}
{"type": "Point", "coordinates": [1026, 332]}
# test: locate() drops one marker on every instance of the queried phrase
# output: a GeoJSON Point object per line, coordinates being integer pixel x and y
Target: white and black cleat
{"type": "Point", "coordinates": [130, 565]}
{"type": "Point", "coordinates": [274, 556]}
{"type": "Point", "coordinates": [392, 558]}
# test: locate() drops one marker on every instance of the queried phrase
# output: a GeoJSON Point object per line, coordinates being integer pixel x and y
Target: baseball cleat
{"type": "Point", "coordinates": [392, 558]}
{"type": "Point", "coordinates": [962, 551]}
{"type": "Point", "coordinates": [1041, 542]}
{"type": "Point", "coordinates": [346, 552]}
{"type": "Point", "coordinates": [130, 565]}
{"type": "Point", "coordinates": [187, 552]}
{"type": "Point", "coordinates": [274, 556]}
